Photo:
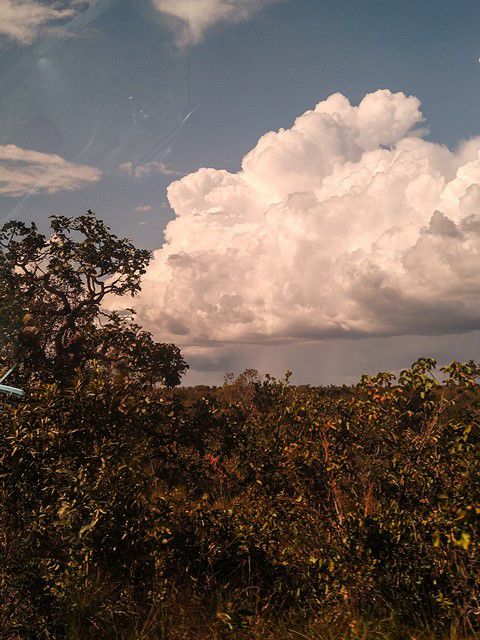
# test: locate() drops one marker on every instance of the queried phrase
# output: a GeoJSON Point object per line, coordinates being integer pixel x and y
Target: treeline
{"type": "Point", "coordinates": [129, 509]}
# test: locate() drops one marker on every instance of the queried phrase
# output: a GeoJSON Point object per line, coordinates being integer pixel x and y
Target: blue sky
{"type": "Point", "coordinates": [245, 79]}
{"type": "Point", "coordinates": [107, 87]}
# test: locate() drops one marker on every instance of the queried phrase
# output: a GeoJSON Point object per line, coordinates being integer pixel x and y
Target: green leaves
{"type": "Point", "coordinates": [52, 292]}
{"type": "Point", "coordinates": [254, 501]}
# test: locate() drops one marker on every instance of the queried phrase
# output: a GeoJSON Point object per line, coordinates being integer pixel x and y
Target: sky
{"type": "Point", "coordinates": [305, 171]}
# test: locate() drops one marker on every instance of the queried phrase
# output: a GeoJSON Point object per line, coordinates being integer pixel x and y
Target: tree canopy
{"type": "Point", "coordinates": [53, 290]}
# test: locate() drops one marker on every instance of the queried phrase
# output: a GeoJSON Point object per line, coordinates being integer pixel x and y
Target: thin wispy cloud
{"type": "Point", "coordinates": [23, 20]}
{"type": "Point", "coordinates": [347, 224]}
{"type": "Point", "coordinates": [149, 169]}
{"type": "Point", "coordinates": [144, 208]}
{"type": "Point", "coordinates": [192, 19]}
{"type": "Point", "coordinates": [24, 171]}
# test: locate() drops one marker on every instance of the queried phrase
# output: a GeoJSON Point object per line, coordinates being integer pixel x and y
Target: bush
{"type": "Point", "coordinates": [131, 513]}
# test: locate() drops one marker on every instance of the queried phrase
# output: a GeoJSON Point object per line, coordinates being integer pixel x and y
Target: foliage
{"type": "Point", "coordinates": [129, 510]}
{"type": "Point", "coordinates": [251, 512]}
{"type": "Point", "coordinates": [52, 303]}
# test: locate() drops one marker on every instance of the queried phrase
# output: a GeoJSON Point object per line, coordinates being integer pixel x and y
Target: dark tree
{"type": "Point", "coordinates": [52, 295]}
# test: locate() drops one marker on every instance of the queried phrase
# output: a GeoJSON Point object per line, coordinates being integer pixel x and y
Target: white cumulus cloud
{"type": "Point", "coordinates": [22, 20]}
{"type": "Point", "coordinates": [193, 18]}
{"type": "Point", "coordinates": [23, 171]}
{"type": "Point", "coordinates": [347, 224]}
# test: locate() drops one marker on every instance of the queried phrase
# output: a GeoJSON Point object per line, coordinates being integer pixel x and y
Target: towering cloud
{"type": "Point", "coordinates": [346, 224]}
{"type": "Point", "coordinates": [192, 18]}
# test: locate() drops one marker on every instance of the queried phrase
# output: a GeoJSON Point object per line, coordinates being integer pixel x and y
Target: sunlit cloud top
{"type": "Point", "coordinates": [346, 224]}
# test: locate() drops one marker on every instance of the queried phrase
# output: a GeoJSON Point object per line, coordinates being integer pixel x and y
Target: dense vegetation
{"type": "Point", "coordinates": [254, 510]}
